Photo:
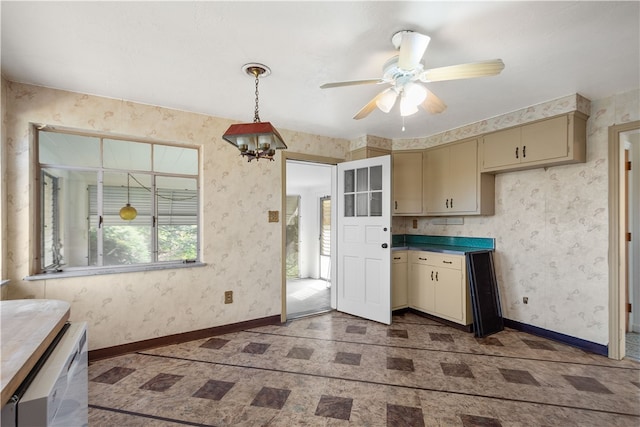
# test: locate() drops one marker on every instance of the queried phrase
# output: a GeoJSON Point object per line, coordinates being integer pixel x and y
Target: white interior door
{"type": "Point", "coordinates": [364, 238]}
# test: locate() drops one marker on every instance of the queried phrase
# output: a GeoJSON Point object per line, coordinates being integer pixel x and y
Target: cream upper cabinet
{"type": "Point", "coordinates": [408, 183]}
{"type": "Point", "coordinates": [555, 141]}
{"type": "Point", "coordinates": [438, 286]}
{"type": "Point", "coordinates": [399, 280]}
{"type": "Point", "coordinates": [453, 184]}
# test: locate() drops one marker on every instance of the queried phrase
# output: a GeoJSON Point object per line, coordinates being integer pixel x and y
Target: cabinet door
{"type": "Point", "coordinates": [545, 140]}
{"type": "Point", "coordinates": [407, 183]}
{"type": "Point", "coordinates": [449, 294]}
{"type": "Point", "coordinates": [463, 177]}
{"type": "Point", "coordinates": [501, 148]}
{"type": "Point", "coordinates": [437, 168]}
{"type": "Point", "coordinates": [421, 288]}
{"type": "Point", "coordinates": [399, 280]}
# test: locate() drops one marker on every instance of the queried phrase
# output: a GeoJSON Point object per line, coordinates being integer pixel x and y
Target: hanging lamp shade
{"type": "Point", "coordinates": [249, 137]}
{"type": "Point", "coordinates": [128, 212]}
{"type": "Point", "coordinates": [257, 140]}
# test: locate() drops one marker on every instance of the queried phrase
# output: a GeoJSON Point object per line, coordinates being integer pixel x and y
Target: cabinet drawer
{"type": "Point", "coordinates": [398, 257]}
{"type": "Point", "coordinates": [437, 259]}
{"type": "Point", "coordinates": [447, 261]}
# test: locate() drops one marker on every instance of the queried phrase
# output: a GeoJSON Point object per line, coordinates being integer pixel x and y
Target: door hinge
{"type": "Point", "coordinates": [628, 166]}
{"type": "Point", "coordinates": [628, 237]}
{"type": "Point", "coordinates": [629, 307]}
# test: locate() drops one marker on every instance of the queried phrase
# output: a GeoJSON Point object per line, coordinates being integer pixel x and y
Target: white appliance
{"type": "Point", "coordinates": [58, 394]}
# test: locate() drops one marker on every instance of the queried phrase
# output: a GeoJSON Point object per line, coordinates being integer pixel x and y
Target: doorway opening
{"type": "Point", "coordinates": [630, 143]}
{"type": "Point", "coordinates": [624, 283]}
{"type": "Point", "coordinates": [308, 238]}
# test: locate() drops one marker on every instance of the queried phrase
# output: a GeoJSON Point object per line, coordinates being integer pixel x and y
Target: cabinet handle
{"type": "Point", "coordinates": [446, 203]}
{"type": "Point", "coordinates": [432, 275]}
{"type": "Point", "coordinates": [524, 151]}
{"type": "Point", "coordinates": [517, 152]}
{"type": "Point", "coordinates": [436, 276]}
{"type": "Point", "coordinates": [422, 259]}
{"type": "Point", "coordinates": [395, 205]}
{"type": "Point", "coordinates": [396, 257]}
{"type": "Point", "coordinates": [448, 262]}
{"type": "Point", "coordinates": [452, 203]}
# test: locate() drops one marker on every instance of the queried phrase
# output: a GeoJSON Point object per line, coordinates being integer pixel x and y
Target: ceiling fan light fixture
{"type": "Point", "coordinates": [387, 100]}
{"type": "Point", "coordinates": [415, 93]}
{"type": "Point", "coordinates": [407, 107]}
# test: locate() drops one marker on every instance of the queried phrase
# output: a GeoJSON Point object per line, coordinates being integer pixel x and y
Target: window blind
{"type": "Point", "coordinates": [174, 207]}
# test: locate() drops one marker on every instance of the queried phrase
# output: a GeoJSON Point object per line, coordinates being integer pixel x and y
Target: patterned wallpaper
{"type": "Point", "coordinates": [3, 189]}
{"type": "Point", "coordinates": [241, 249]}
{"type": "Point", "coordinates": [550, 226]}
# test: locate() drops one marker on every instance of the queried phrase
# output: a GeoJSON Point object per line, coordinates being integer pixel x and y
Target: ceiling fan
{"type": "Point", "coordinates": [405, 73]}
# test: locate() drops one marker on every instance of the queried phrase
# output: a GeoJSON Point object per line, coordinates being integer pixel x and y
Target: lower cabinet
{"type": "Point", "coordinates": [399, 283]}
{"type": "Point", "coordinates": [438, 286]}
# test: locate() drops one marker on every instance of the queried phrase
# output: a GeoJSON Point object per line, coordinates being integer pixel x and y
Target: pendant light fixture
{"type": "Point", "coordinates": [128, 212]}
{"type": "Point", "coordinates": [257, 140]}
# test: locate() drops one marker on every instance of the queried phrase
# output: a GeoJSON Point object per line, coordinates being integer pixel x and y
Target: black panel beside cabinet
{"type": "Point", "coordinates": [485, 300]}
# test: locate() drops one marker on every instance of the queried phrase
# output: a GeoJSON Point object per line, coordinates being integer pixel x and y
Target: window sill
{"type": "Point", "coordinates": [99, 271]}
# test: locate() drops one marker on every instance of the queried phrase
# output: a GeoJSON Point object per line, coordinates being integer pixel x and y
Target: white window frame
{"type": "Point", "coordinates": [40, 272]}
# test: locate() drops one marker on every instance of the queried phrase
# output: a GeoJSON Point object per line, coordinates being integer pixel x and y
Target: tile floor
{"type": "Point", "coordinates": [337, 370]}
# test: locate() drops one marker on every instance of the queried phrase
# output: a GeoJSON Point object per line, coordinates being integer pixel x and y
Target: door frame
{"type": "Point", "coordinates": [617, 240]}
{"type": "Point", "coordinates": [321, 217]}
{"type": "Point", "coordinates": [289, 155]}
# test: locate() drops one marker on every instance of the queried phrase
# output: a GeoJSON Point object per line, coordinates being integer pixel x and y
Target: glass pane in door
{"type": "Point", "coordinates": [349, 181]}
{"type": "Point", "coordinates": [362, 181]}
{"type": "Point", "coordinates": [349, 206]}
{"type": "Point", "coordinates": [362, 204]}
{"type": "Point", "coordinates": [376, 203]}
{"type": "Point", "coordinates": [376, 178]}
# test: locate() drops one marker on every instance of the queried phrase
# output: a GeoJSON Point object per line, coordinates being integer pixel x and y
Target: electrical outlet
{"type": "Point", "coordinates": [228, 297]}
{"type": "Point", "coordinates": [415, 223]}
{"type": "Point", "coordinates": [525, 300]}
{"type": "Point", "coordinates": [274, 216]}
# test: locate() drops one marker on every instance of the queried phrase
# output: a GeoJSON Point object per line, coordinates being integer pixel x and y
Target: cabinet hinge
{"type": "Point", "coordinates": [628, 237]}
{"type": "Point", "coordinates": [629, 307]}
{"type": "Point", "coordinates": [628, 166]}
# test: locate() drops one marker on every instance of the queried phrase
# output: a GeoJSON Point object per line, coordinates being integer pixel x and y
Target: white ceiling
{"type": "Point", "coordinates": [188, 55]}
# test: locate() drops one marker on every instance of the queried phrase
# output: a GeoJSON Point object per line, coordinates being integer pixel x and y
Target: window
{"type": "Point", "coordinates": [363, 192]}
{"type": "Point", "coordinates": [84, 182]}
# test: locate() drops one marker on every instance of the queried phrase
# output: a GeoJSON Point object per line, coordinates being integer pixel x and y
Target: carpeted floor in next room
{"type": "Point", "coordinates": [337, 370]}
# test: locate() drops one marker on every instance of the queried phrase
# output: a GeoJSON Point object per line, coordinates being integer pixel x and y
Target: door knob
{"type": "Point", "coordinates": [385, 246]}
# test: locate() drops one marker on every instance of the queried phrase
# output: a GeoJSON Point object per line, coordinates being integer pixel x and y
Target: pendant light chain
{"type": "Point", "coordinates": [256, 117]}
{"type": "Point", "coordinates": [128, 175]}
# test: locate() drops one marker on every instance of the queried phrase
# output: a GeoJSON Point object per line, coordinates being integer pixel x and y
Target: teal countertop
{"type": "Point", "coordinates": [444, 244]}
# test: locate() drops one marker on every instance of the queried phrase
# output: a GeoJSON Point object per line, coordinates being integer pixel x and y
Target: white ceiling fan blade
{"type": "Point", "coordinates": [463, 71]}
{"type": "Point", "coordinates": [367, 109]}
{"type": "Point", "coordinates": [352, 83]}
{"type": "Point", "coordinates": [433, 104]}
{"type": "Point", "coordinates": [412, 48]}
